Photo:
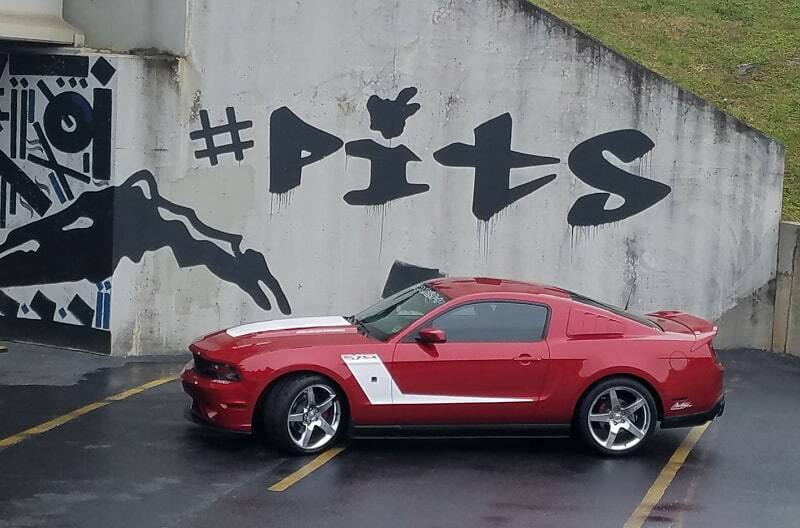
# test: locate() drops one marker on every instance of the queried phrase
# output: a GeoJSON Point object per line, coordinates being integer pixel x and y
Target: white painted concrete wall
{"type": "Point", "coordinates": [710, 243]}
{"type": "Point", "coordinates": [706, 248]}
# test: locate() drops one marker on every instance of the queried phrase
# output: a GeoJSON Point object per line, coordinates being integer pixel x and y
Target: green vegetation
{"type": "Point", "coordinates": [701, 45]}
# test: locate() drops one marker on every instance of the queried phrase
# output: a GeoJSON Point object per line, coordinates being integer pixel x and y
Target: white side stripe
{"type": "Point", "coordinates": [381, 389]}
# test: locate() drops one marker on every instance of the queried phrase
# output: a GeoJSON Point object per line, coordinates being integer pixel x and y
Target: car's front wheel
{"type": "Point", "coordinates": [617, 416]}
{"type": "Point", "coordinates": [305, 414]}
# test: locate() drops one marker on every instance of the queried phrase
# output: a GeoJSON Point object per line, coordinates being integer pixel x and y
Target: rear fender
{"type": "Point", "coordinates": [639, 375]}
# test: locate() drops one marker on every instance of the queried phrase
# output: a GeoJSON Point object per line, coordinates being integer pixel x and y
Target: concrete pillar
{"type": "Point", "coordinates": [786, 327]}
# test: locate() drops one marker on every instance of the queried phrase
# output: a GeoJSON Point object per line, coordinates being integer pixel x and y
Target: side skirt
{"type": "Point", "coordinates": [461, 431]}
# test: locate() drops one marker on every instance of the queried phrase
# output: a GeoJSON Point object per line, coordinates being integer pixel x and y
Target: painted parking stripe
{"type": "Point", "coordinates": [61, 420]}
{"type": "Point", "coordinates": [664, 479]}
{"type": "Point", "coordinates": [306, 470]}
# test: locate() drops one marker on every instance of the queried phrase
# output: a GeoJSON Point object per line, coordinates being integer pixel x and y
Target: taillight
{"type": "Point", "coordinates": [714, 355]}
{"type": "Point", "coordinates": [216, 370]}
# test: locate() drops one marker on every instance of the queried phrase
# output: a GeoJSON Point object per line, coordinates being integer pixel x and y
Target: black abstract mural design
{"type": "Point", "coordinates": [55, 145]}
{"type": "Point", "coordinates": [137, 202]}
{"type": "Point", "coordinates": [53, 110]}
{"type": "Point", "coordinates": [84, 231]}
{"type": "Point", "coordinates": [58, 210]}
{"type": "Point", "coordinates": [402, 275]}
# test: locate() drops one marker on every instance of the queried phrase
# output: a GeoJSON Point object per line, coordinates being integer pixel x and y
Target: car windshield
{"type": "Point", "coordinates": [393, 314]}
{"type": "Point", "coordinates": [613, 309]}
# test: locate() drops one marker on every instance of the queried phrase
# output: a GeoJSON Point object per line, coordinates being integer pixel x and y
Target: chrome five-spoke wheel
{"type": "Point", "coordinates": [619, 418]}
{"type": "Point", "coordinates": [304, 414]}
{"type": "Point", "coordinates": [314, 417]}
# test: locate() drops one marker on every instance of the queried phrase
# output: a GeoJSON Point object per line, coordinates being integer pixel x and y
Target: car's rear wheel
{"type": "Point", "coordinates": [617, 416]}
{"type": "Point", "coordinates": [305, 414]}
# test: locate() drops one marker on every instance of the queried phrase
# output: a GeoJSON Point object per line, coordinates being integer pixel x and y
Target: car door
{"type": "Point", "coordinates": [489, 370]}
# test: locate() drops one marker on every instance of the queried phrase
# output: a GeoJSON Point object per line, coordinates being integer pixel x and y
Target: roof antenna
{"type": "Point", "coordinates": [630, 294]}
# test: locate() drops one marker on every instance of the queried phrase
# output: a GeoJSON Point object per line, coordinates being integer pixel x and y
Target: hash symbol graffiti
{"type": "Point", "coordinates": [232, 128]}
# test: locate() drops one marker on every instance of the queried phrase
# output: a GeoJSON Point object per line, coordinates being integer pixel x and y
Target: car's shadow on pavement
{"type": "Point", "coordinates": [215, 442]}
{"type": "Point", "coordinates": [549, 446]}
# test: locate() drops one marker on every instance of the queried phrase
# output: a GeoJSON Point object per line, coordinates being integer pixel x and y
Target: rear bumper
{"type": "Point", "coordinates": [690, 420]}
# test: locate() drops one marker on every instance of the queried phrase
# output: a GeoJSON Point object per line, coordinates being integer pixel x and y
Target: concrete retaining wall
{"type": "Point", "coordinates": [374, 144]}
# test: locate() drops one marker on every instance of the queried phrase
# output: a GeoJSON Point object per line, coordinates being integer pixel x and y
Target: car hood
{"type": "Point", "coordinates": [241, 341]}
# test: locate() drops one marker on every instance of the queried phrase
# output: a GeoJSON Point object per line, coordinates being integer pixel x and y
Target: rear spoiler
{"type": "Point", "coordinates": [703, 330]}
{"type": "Point", "coordinates": [701, 338]}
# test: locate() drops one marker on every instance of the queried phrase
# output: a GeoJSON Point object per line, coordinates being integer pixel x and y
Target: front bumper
{"type": "Point", "coordinates": [691, 420]}
{"type": "Point", "coordinates": [218, 404]}
{"type": "Point", "coordinates": [190, 415]}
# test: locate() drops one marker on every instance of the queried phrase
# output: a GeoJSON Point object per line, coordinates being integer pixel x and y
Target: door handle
{"type": "Point", "coordinates": [526, 359]}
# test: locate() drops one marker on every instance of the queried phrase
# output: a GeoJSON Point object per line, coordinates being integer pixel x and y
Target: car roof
{"type": "Point", "coordinates": [460, 286]}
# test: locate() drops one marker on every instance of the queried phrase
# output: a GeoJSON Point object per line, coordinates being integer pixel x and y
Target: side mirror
{"type": "Point", "coordinates": [432, 335]}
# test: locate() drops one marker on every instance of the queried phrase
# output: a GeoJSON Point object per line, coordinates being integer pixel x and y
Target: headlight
{"type": "Point", "coordinates": [216, 370]}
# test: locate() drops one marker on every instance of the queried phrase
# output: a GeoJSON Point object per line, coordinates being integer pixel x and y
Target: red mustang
{"type": "Point", "coordinates": [461, 356]}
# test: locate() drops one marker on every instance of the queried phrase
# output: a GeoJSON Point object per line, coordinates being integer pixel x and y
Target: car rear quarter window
{"type": "Point", "coordinates": [641, 319]}
{"type": "Point", "coordinates": [494, 322]}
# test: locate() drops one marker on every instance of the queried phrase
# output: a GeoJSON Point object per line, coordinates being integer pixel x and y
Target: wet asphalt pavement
{"type": "Point", "coordinates": [139, 463]}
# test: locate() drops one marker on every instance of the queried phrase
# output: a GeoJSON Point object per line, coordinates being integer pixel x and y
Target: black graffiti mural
{"type": "Point", "coordinates": [84, 232]}
{"type": "Point", "coordinates": [295, 144]}
{"type": "Point", "coordinates": [588, 164]}
{"type": "Point", "coordinates": [388, 116]}
{"type": "Point", "coordinates": [231, 128]}
{"type": "Point", "coordinates": [290, 138]}
{"type": "Point", "coordinates": [387, 177]}
{"type": "Point", "coordinates": [492, 158]}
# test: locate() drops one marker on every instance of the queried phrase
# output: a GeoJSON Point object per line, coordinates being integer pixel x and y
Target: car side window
{"type": "Point", "coordinates": [492, 321]}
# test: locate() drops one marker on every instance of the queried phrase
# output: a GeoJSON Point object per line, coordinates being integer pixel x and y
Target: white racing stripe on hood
{"type": "Point", "coordinates": [287, 324]}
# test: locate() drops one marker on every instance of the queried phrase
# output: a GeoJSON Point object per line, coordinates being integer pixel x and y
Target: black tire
{"type": "Point", "coordinates": [278, 406]}
{"type": "Point", "coordinates": [599, 397]}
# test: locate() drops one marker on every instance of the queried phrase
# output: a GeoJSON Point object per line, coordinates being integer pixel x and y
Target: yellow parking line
{"type": "Point", "coordinates": [306, 470]}
{"type": "Point", "coordinates": [664, 479]}
{"type": "Point", "coordinates": [61, 420]}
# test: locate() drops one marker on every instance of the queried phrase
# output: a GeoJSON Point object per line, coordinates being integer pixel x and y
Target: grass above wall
{"type": "Point", "coordinates": [741, 55]}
